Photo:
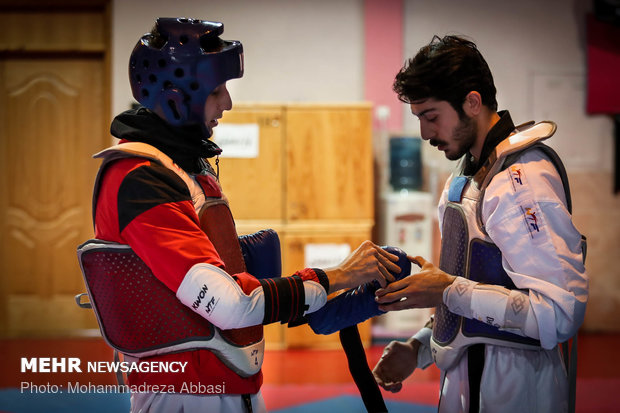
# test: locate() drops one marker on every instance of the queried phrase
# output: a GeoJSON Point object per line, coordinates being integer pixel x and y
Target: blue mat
{"type": "Point", "coordinates": [14, 401]}
{"type": "Point", "coordinates": [353, 404]}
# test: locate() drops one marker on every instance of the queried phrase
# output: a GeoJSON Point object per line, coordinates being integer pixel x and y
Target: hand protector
{"type": "Point", "coordinates": [355, 305]}
{"type": "Point", "coordinates": [261, 253]}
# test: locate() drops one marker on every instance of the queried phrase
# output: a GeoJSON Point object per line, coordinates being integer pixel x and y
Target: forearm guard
{"type": "Point", "coordinates": [355, 305]}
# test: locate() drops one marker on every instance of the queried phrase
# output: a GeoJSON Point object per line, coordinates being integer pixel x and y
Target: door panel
{"type": "Point", "coordinates": [53, 111]}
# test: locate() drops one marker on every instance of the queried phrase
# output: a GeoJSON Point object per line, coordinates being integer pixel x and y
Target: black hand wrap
{"type": "Point", "coordinates": [285, 299]}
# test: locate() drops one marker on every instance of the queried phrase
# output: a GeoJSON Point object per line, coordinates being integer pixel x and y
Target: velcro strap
{"type": "Point", "coordinates": [285, 299]}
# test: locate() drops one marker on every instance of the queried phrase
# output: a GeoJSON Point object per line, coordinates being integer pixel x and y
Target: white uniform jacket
{"type": "Point", "coordinates": [545, 263]}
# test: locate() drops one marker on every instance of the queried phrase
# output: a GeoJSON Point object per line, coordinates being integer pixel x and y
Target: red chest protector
{"type": "Point", "coordinates": [119, 284]}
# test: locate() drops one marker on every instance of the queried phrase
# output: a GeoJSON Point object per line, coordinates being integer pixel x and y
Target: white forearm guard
{"type": "Point", "coordinates": [498, 306]}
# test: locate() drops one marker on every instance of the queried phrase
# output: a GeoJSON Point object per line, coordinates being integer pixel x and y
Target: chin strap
{"type": "Point", "coordinates": [360, 371]}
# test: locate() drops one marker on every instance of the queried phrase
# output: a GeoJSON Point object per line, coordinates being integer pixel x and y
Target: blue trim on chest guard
{"type": "Point", "coordinates": [457, 185]}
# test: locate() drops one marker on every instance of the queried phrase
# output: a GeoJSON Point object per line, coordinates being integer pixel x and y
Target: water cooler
{"type": "Point", "coordinates": [405, 221]}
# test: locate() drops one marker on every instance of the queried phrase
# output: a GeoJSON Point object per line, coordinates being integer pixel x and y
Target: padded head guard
{"type": "Point", "coordinates": [174, 68]}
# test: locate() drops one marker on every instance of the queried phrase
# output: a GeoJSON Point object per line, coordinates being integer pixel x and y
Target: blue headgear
{"type": "Point", "coordinates": [173, 73]}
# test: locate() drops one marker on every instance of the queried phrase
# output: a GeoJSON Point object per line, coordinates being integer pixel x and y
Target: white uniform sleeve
{"type": "Point", "coordinates": [525, 215]}
{"type": "Point", "coordinates": [425, 356]}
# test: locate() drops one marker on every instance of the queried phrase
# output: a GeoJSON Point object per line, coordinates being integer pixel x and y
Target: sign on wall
{"type": "Point", "coordinates": [237, 140]}
{"type": "Point", "coordinates": [325, 255]}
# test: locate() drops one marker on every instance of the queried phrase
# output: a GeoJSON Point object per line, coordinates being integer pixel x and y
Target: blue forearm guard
{"type": "Point", "coordinates": [261, 253]}
{"type": "Point", "coordinates": [355, 305]}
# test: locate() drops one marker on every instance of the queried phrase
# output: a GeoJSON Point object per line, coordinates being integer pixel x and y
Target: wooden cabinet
{"type": "Point", "coordinates": [312, 181]}
{"type": "Point", "coordinates": [254, 185]}
{"type": "Point", "coordinates": [314, 163]}
{"type": "Point", "coordinates": [294, 241]}
{"type": "Point", "coordinates": [329, 163]}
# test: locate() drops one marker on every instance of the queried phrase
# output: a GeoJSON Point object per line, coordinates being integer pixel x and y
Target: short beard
{"type": "Point", "coordinates": [464, 135]}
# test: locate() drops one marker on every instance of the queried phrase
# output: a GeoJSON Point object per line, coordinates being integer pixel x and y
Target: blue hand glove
{"type": "Point", "coordinates": [355, 305]}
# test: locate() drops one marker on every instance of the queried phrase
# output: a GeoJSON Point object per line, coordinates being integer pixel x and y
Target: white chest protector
{"type": "Point", "coordinates": [119, 285]}
{"type": "Point", "coordinates": [467, 250]}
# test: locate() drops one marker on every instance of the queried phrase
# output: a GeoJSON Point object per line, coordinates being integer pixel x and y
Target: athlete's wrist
{"type": "Point", "coordinates": [336, 279]}
{"type": "Point", "coordinates": [414, 344]}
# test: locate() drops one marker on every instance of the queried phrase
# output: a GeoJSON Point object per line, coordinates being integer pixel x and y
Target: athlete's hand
{"type": "Point", "coordinates": [420, 290]}
{"type": "Point", "coordinates": [398, 361]}
{"type": "Point", "coordinates": [367, 263]}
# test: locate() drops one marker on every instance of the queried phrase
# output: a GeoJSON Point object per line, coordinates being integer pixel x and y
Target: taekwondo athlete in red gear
{"type": "Point", "coordinates": [158, 194]}
{"type": "Point", "coordinates": [511, 283]}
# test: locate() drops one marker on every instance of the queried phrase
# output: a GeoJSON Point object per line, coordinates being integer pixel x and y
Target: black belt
{"type": "Point", "coordinates": [475, 365]}
{"type": "Point", "coordinates": [358, 366]}
{"type": "Point", "coordinates": [247, 402]}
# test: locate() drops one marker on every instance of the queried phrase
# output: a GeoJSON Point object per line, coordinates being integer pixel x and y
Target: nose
{"type": "Point", "coordinates": [225, 101]}
{"type": "Point", "coordinates": [425, 131]}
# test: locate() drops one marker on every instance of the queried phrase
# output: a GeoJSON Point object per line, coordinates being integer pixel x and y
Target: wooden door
{"type": "Point", "coordinates": [53, 117]}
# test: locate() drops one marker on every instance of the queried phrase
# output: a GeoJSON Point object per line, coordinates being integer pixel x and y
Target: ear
{"type": "Point", "coordinates": [473, 104]}
{"type": "Point", "coordinates": [172, 106]}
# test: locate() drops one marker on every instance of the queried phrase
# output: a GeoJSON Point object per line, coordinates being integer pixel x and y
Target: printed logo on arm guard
{"type": "Point", "coordinates": [210, 303]}
{"type": "Point", "coordinates": [200, 297]}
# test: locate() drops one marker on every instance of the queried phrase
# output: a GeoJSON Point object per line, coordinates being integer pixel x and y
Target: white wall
{"type": "Point", "coordinates": [295, 50]}
{"type": "Point", "coordinates": [312, 50]}
{"type": "Point", "coordinates": [536, 52]}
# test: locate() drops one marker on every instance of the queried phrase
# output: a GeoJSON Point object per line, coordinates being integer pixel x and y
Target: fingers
{"type": "Point", "coordinates": [389, 265]}
{"type": "Point", "coordinates": [388, 277]}
{"type": "Point", "coordinates": [386, 254]}
{"type": "Point", "coordinates": [383, 261]}
{"type": "Point", "coordinates": [384, 372]}
{"type": "Point", "coordinates": [382, 280]}
{"type": "Point", "coordinates": [397, 306]}
{"type": "Point", "coordinates": [379, 375]}
{"type": "Point", "coordinates": [417, 260]}
{"type": "Point", "coordinates": [388, 385]}
{"type": "Point", "coordinates": [394, 296]}
{"type": "Point", "coordinates": [385, 265]}
{"type": "Point", "coordinates": [388, 260]}
{"type": "Point", "coordinates": [392, 287]}
{"type": "Point", "coordinates": [393, 387]}
{"type": "Point", "coordinates": [378, 379]}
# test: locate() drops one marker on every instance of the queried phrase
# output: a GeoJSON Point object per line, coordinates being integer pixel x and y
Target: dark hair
{"type": "Point", "coordinates": [447, 69]}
